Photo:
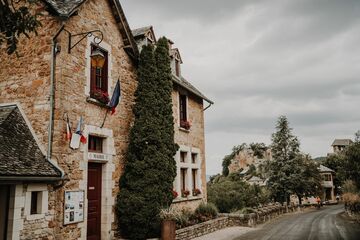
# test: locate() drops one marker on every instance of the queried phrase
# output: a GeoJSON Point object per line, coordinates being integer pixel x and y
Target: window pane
{"type": "Point", "coordinates": [194, 157]}
{"type": "Point", "coordinates": [34, 203]}
{"type": "Point", "coordinates": [95, 144]}
{"type": "Point", "coordinates": [182, 156]}
{"type": "Point", "coordinates": [182, 105]}
{"type": "Point", "coordinates": [194, 176]}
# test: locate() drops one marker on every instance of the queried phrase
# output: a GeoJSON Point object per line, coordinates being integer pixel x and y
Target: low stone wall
{"type": "Point", "coordinates": [202, 228]}
{"type": "Point", "coordinates": [224, 220]}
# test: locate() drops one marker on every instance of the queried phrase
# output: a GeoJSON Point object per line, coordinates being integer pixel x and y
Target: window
{"type": "Point", "coordinates": [327, 177]}
{"type": "Point", "coordinates": [183, 111]}
{"type": "Point", "coordinates": [183, 156]}
{"type": "Point", "coordinates": [99, 76]}
{"type": "Point", "coordinates": [183, 178]}
{"type": "Point", "coordinates": [193, 157]}
{"type": "Point", "coordinates": [194, 176]}
{"type": "Point", "coordinates": [95, 144]}
{"type": "Point", "coordinates": [34, 209]}
{"type": "Point", "coordinates": [177, 67]}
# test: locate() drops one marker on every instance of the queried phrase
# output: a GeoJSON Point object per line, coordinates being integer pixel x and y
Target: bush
{"type": "Point", "coordinates": [205, 212]}
{"type": "Point", "coordinates": [183, 218]}
{"type": "Point", "coordinates": [245, 211]}
{"type": "Point", "coordinates": [349, 187]}
{"type": "Point", "coordinates": [231, 193]}
{"type": "Point", "coordinates": [352, 202]}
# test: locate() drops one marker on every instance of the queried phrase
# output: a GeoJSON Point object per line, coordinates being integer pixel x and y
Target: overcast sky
{"type": "Point", "coordinates": [261, 59]}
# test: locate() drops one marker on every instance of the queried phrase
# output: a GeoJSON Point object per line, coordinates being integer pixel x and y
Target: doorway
{"type": "Point", "coordinates": [94, 201]}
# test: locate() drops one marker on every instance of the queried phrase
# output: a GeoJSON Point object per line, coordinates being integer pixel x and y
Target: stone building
{"type": "Point", "coordinates": [327, 183]}
{"type": "Point", "coordinates": [188, 111]}
{"type": "Point", "coordinates": [70, 192]}
{"type": "Point", "coordinates": [340, 144]}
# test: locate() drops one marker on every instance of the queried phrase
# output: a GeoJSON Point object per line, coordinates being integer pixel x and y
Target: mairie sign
{"type": "Point", "coordinates": [98, 156]}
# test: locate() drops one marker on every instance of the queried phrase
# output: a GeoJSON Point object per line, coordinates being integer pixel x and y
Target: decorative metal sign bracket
{"type": "Point", "coordinates": [97, 39]}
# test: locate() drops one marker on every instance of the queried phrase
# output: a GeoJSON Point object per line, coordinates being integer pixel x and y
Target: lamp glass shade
{"type": "Point", "coordinates": [97, 58]}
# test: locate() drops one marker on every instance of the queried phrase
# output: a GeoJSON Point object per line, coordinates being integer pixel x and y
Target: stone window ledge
{"type": "Point", "coordinates": [184, 130]}
{"type": "Point", "coordinates": [96, 102]}
{"type": "Point", "coordinates": [191, 198]}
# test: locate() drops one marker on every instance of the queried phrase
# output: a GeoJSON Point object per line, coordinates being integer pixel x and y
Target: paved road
{"type": "Point", "coordinates": [328, 223]}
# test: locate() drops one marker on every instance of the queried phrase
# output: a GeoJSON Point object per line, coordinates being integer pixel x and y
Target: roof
{"type": "Point", "coordinates": [322, 168]}
{"type": "Point", "coordinates": [21, 157]}
{"type": "Point", "coordinates": [140, 32]}
{"type": "Point", "coordinates": [342, 142]}
{"type": "Point", "coordinates": [188, 86]}
{"type": "Point", "coordinates": [66, 8]}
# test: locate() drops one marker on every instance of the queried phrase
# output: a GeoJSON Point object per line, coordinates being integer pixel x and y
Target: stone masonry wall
{"type": "Point", "coordinates": [27, 80]}
{"type": "Point", "coordinates": [192, 138]}
{"type": "Point", "coordinates": [228, 220]}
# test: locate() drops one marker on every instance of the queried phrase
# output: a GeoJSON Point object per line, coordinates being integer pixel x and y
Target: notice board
{"type": "Point", "coordinates": [73, 207]}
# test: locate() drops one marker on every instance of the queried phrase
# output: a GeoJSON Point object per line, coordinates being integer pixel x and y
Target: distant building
{"type": "Point", "coordinates": [327, 183]}
{"type": "Point", "coordinates": [340, 144]}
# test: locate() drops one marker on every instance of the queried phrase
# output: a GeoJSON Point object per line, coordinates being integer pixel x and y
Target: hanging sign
{"type": "Point", "coordinates": [73, 207]}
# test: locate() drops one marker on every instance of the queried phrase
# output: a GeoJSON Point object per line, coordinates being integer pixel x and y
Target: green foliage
{"type": "Point", "coordinates": [351, 163]}
{"type": "Point", "coordinates": [349, 187]}
{"type": "Point", "coordinates": [16, 20]}
{"type": "Point", "coordinates": [285, 147]}
{"type": "Point", "coordinates": [290, 172]}
{"type": "Point", "coordinates": [150, 168]}
{"type": "Point", "coordinates": [227, 159]}
{"type": "Point", "coordinates": [206, 211]}
{"type": "Point", "coordinates": [231, 193]}
{"type": "Point", "coordinates": [259, 149]}
{"type": "Point", "coordinates": [352, 203]}
{"type": "Point", "coordinates": [245, 211]}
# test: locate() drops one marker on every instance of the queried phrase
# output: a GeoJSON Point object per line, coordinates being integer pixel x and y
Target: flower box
{"type": "Point", "coordinates": [101, 96]}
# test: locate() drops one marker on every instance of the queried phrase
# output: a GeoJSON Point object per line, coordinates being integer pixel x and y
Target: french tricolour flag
{"type": "Point", "coordinates": [115, 99]}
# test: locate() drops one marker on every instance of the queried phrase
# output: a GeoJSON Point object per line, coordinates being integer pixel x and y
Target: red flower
{"type": "Point", "coordinates": [175, 194]}
{"type": "Point", "coordinates": [185, 124]}
{"type": "Point", "coordinates": [185, 193]}
{"type": "Point", "coordinates": [101, 96]}
{"type": "Point", "coordinates": [196, 191]}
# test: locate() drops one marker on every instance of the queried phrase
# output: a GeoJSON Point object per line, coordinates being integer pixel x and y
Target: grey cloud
{"type": "Point", "coordinates": [261, 59]}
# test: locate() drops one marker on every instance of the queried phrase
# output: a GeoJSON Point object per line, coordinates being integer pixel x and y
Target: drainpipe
{"type": "Point", "coordinates": [210, 104]}
{"type": "Point", "coordinates": [54, 51]}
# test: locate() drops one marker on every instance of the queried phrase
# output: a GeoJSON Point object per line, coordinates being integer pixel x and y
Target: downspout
{"type": "Point", "coordinates": [54, 51]}
{"type": "Point", "coordinates": [210, 104]}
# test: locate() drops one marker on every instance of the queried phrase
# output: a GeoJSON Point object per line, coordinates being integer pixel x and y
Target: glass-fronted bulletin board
{"type": "Point", "coordinates": [73, 207]}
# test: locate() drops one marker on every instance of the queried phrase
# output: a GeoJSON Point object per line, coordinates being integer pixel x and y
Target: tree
{"type": "Point", "coordinates": [285, 147]}
{"type": "Point", "coordinates": [351, 163]}
{"type": "Point", "coordinates": [306, 178]}
{"type": "Point", "coordinates": [150, 168]}
{"type": "Point", "coordinates": [16, 20]}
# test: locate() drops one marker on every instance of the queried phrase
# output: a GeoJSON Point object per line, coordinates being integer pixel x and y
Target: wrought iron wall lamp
{"type": "Point", "coordinates": [97, 39]}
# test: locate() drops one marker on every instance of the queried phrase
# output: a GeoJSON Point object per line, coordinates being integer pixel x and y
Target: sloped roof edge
{"type": "Point", "coordinates": [188, 86]}
{"type": "Point", "coordinates": [39, 145]}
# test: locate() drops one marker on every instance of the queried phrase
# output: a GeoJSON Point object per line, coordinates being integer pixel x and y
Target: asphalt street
{"type": "Point", "coordinates": [327, 223]}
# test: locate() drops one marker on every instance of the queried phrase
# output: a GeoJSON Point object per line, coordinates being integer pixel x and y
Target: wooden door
{"type": "Point", "coordinates": [94, 202]}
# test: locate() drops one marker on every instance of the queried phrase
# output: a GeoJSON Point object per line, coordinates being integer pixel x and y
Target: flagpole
{"type": "Point", "coordinates": [107, 110]}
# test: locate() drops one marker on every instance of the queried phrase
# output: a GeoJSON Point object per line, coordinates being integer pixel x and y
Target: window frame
{"type": "Point", "coordinates": [96, 144]}
{"type": "Point", "coordinates": [94, 74]}
{"type": "Point", "coordinates": [183, 99]}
